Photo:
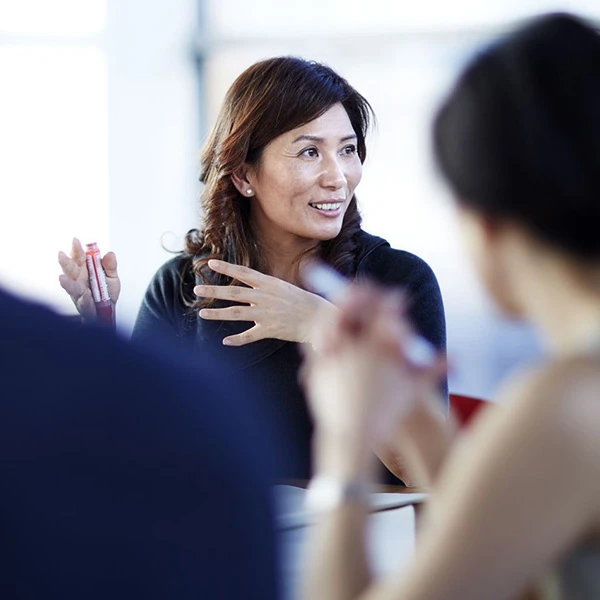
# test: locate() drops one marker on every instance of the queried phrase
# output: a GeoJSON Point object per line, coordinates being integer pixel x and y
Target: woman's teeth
{"type": "Point", "coordinates": [326, 205]}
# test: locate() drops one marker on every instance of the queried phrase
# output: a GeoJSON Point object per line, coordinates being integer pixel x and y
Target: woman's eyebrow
{"type": "Point", "coordinates": [316, 138]}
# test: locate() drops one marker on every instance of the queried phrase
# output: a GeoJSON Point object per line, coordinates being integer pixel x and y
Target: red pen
{"type": "Point", "coordinates": [98, 285]}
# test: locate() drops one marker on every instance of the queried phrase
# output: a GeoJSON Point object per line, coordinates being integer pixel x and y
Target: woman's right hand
{"type": "Point", "coordinates": [74, 279]}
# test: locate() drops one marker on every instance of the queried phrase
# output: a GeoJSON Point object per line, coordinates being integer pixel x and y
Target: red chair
{"type": "Point", "coordinates": [465, 407]}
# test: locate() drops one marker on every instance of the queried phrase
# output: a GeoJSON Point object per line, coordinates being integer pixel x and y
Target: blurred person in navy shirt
{"type": "Point", "coordinates": [117, 482]}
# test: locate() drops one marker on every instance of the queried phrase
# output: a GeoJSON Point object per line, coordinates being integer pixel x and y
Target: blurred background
{"type": "Point", "coordinates": [105, 104]}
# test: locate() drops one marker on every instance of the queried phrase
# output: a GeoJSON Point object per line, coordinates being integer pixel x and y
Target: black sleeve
{"type": "Point", "coordinates": [163, 312]}
{"type": "Point", "coordinates": [426, 305]}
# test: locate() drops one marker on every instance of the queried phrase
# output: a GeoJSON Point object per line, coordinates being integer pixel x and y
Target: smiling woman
{"type": "Point", "coordinates": [279, 169]}
{"type": "Point", "coordinates": [304, 183]}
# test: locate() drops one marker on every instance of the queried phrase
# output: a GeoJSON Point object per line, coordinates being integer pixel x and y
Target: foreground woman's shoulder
{"type": "Point", "coordinates": [555, 380]}
{"type": "Point", "coordinates": [560, 398]}
{"type": "Point", "coordinates": [570, 379]}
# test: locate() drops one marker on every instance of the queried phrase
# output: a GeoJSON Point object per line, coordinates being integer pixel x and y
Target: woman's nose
{"type": "Point", "coordinates": [333, 175]}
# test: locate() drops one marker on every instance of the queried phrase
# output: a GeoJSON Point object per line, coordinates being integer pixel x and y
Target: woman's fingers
{"type": "Point", "coordinates": [68, 265]}
{"type": "Point", "coordinates": [231, 313]}
{"type": "Point", "coordinates": [254, 334]}
{"type": "Point", "coordinates": [75, 280]}
{"type": "Point", "coordinates": [109, 264]}
{"type": "Point", "coordinates": [85, 305]}
{"type": "Point", "coordinates": [365, 363]}
{"type": "Point", "coordinates": [361, 312]}
{"type": "Point", "coordinates": [77, 252]}
{"type": "Point", "coordinates": [354, 312]}
{"type": "Point", "coordinates": [72, 286]}
{"type": "Point", "coordinates": [377, 318]}
{"type": "Point", "coordinates": [243, 274]}
{"type": "Point", "coordinates": [235, 293]}
{"type": "Point", "coordinates": [80, 295]}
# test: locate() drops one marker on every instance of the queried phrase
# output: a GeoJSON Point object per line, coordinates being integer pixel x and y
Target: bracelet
{"type": "Point", "coordinates": [327, 493]}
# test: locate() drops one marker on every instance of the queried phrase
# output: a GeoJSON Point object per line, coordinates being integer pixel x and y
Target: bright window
{"type": "Point", "coordinates": [53, 147]}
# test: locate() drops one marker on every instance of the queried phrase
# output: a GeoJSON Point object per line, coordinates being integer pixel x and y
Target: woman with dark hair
{"type": "Point", "coordinates": [515, 504]}
{"type": "Point", "coordinates": [279, 169]}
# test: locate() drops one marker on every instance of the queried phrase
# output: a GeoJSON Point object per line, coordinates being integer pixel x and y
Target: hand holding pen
{"type": "Point", "coordinates": [373, 368]}
{"type": "Point", "coordinates": [334, 287]}
{"type": "Point", "coordinates": [92, 304]}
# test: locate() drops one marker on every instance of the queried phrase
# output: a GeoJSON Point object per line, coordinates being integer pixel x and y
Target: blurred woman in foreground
{"type": "Point", "coordinates": [516, 504]}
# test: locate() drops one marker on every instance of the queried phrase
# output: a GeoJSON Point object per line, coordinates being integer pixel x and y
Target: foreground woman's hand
{"type": "Point", "coordinates": [74, 279]}
{"type": "Point", "coordinates": [278, 309]}
{"type": "Point", "coordinates": [362, 386]}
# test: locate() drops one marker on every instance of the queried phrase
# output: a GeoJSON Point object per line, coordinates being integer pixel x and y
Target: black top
{"type": "Point", "coordinates": [276, 363]}
{"type": "Point", "coordinates": [116, 481]}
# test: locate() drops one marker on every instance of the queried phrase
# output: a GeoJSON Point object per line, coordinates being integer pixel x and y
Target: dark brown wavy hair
{"type": "Point", "coordinates": [267, 100]}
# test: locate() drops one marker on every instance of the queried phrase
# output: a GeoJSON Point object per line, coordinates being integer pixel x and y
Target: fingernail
{"type": "Point", "coordinates": [213, 262]}
{"type": "Point", "coordinates": [198, 290]}
{"type": "Point", "coordinates": [203, 313]}
{"type": "Point", "coordinates": [227, 342]}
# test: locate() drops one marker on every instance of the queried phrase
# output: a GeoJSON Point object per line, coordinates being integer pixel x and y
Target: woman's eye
{"type": "Point", "coordinates": [310, 152]}
{"type": "Point", "coordinates": [349, 149]}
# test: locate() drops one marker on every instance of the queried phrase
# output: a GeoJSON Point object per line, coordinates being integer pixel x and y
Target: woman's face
{"type": "Point", "coordinates": [304, 181]}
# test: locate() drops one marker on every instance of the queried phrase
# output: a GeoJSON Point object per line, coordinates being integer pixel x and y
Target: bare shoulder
{"type": "Point", "coordinates": [563, 387]}
{"type": "Point", "coordinates": [547, 424]}
{"type": "Point", "coordinates": [559, 400]}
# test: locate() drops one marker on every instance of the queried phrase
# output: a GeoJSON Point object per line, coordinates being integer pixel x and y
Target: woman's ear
{"type": "Point", "coordinates": [480, 232]}
{"type": "Point", "coordinates": [240, 179]}
{"type": "Point", "coordinates": [494, 248]}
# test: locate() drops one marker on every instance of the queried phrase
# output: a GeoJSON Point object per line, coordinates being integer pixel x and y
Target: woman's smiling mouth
{"type": "Point", "coordinates": [326, 206]}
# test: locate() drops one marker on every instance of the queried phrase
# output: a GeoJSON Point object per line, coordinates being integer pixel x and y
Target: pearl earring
{"type": "Point", "coordinates": [249, 191]}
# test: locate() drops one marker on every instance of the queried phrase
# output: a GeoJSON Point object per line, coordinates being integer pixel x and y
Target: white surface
{"type": "Point", "coordinates": [292, 512]}
{"type": "Point", "coordinates": [59, 17]}
{"type": "Point", "coordinates": [343, 17]}
{"type": "Point", "coordinates": [390, 539]}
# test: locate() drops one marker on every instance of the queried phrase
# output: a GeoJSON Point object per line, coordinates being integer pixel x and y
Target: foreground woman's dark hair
{"type": "Point", "coordinates": [519, 136]}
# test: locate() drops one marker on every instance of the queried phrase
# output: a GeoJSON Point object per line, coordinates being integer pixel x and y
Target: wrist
{"type": "Point", "coordinates": [343, 456]}
{"type": "Point", "coordinates": [322, 313]}
{"type": "Point", "coordinates": [325, 493]}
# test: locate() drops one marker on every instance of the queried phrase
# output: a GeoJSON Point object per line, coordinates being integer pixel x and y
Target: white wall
{"type": "Point", "coordinates": [54, 138]}
{"type": "Point", "coordinates": [153, 137]}
{"type": "Point", "coordinates": [100, 133]}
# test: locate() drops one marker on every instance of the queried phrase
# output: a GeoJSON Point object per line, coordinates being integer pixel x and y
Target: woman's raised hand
{"type": "Point", "coordinates": [362, 384]}
{"type": "Point", "coordinates": [278, 309]}
{"type": "Point", "coordinates": [74, 279]}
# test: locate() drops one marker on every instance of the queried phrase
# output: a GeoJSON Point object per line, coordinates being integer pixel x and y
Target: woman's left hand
{"type": "Point", "coordinates": [278, 309]}
{"type": "Point", "coordinates": [364, 385]}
